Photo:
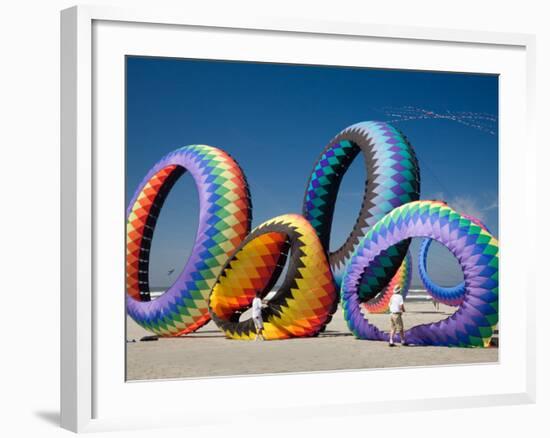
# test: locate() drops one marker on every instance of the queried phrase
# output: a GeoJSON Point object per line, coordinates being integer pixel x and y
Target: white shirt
{"type": "Point", "coordinates": [396, 301]}
{"type": "Point", "coordinates": [256, 307]}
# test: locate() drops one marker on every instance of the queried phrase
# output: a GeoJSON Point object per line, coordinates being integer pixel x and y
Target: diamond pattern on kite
{"type": "Point", "coordinates": [451, 296]}
{"type": "Point", "coordinates": [302, 303]}
{"type": "Point", "coordinates": [473, 324]}
{"type": "Point", "coordinates": [393, 179]}
{"type": "Point", "coordinates": [224, 221]}
{"type": "Point", "coordinates": [381, 302]}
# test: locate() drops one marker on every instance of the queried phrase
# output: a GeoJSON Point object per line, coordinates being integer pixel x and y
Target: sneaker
{"type": "Point", "coordinates": [405, 344]}
{"type": "Point", "coordinates": [391, 344]}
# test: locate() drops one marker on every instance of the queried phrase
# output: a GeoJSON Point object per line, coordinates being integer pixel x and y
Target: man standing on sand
{"type": "Point", "coordinates": [257, 317]}
{"type": "Point", "coordinates": [396, 310]}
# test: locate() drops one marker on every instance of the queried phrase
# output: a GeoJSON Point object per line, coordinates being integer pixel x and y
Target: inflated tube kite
{"type": "Point", "coordinates": [393, 179]}
{"type": "Point", "coordinates": [300, 306]}
{"type": "Point", "coordinates": [473, 324]}
{"type": "Point", "coordinates": [224, 221]}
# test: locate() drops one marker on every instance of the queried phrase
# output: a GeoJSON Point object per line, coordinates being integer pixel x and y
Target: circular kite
{"type": "Point", "coordinates": [393, 179]}
{"type": "Point", "coordinates": [224, 221]}
{"type": "Point", "coordinates": [300, 306]}
{"type": "Point", "coordinates": [472, 325]}
{"type": "Point", "coordinates": [381, 302]}
{"type": "Point", "coordinates": [451, 296]}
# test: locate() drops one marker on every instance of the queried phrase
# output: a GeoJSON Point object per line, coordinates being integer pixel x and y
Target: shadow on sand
{"type": "Point", "coordinates": [334, 334]}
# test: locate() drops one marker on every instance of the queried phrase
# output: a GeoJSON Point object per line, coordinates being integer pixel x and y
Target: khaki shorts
{"type": "Point", "coordinates": [396, 322]}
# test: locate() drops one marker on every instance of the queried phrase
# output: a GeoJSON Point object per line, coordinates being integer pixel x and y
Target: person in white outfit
{"type": "Point", "coordinates": [397, 308]}
{"type": "Point", "coordinates": [257, 317]}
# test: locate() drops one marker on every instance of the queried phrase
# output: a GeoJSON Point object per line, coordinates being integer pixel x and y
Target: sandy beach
{"type": "Point", "coordinates": [208, 353]}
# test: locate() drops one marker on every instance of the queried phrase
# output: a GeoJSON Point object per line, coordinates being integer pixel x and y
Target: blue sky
{"type": "Point", "coordinates": [275, 119]}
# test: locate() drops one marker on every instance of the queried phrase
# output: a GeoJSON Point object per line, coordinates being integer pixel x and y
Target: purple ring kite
{"type": "Point", "coordinates": [472, 325]}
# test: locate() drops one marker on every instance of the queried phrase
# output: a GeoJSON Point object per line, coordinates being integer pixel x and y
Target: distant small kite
{"type": "Point", "coordinates": [170, 271]}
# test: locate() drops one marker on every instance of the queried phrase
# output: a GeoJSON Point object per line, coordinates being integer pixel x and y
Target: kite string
{"type": "Point", "coordinates": [480, 121]}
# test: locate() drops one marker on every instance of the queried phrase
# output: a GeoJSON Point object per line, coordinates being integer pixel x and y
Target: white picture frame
{"type": "Point", "coordinates": [92, 392]}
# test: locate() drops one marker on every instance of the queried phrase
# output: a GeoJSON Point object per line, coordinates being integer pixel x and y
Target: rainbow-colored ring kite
{"type": "Point", "coordinates": [393, 179]}
{"type": "Point", "coordinates": [224, 221]}
{"type": "Point", "coordinates": [472, 325]}
{"type": "Point", "coordinates": [302, 303]}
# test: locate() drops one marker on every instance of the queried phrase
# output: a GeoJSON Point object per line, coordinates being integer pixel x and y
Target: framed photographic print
{"type": "Point", "coordinates": [314, 211]}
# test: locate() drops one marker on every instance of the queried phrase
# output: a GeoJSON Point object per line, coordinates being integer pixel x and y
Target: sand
{"type": "Point", "coordinates": [208, 353]}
